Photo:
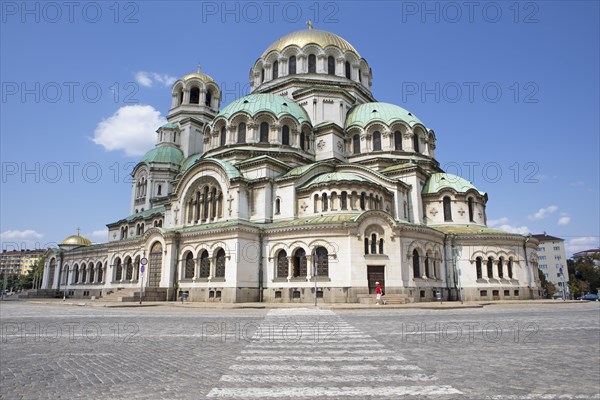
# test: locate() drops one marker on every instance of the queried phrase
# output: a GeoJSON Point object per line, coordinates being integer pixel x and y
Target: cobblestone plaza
{"type": "Point", "coordinates": [502, 351]}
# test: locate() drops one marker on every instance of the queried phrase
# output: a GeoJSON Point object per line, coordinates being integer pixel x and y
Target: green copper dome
{"type": "Point", "coordinates": [364, 114]}
{"type": "Point", "coordinates": [439, 181]}
{"type": "Point", "coordinates": [260, 102]}
{"type": "Point", "coordinates": [164, 154]}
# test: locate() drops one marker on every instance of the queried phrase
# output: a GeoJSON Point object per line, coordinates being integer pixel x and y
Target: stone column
{"type": "Point", "coordinates": [290, 267]}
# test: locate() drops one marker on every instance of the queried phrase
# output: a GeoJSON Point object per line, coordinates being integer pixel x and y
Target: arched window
{"type": "Point", "coordinates": [262, 75]}
{"type": "Point", "coordinates": [241, 138]}
{"type": "Point", "coordinates": [159, 190]}
{"type": "Point", "coordinates": [501, 268]}
{"type": "Point", "coordinates": [204, 265]}
{"type": "Point", "coordinates": [223, 137]}
{"type": "Point", "coordinates": [376, 141]}
{"type": "Point", "coordinates": [397, 140]}
{"type": "Point", "coordinates": [285, 135]}
{"type": "Point", "coordinates": [282, 264]}
{"type": "Point", "coordinates": [470, 204]}
{"type": "Point", "coordinates": [348, 70]}
{"type": "Point", "coordinates": [322, 261]}
{"type": "Point", "coordinates": [276, 70]}
{"type": "Point", "coordinates": [344, 200]}
{"type": "Point", "coordinates": [366, 245]}
{"type": "Point", "coordinates": [363, 198]}
{"type": "Point", "coordinates": [76, 274]}
{"type": "Point", "coordinates": [264, 132]}
{"type": "Point", "coordinates": [427, 265]}
{"type": "Point", "coordinates": [509, 268]}
{"type": "Point", "coordinates": [181, 98]}
{"type": "Point", "coordinates": [478, 268]}
{"type": "Point", "coordinates": [416, 268]}
{"type": "Point", "coordinates": [208, 99]}
{"type": "Point", "coordinates": [330, 65]}
{"type": "Point", "coordinates": [189, 266]}
{"type": "Point", "coordinates": [360, 76]}
{"type": "Point", "coordinates": [373, 243]}
{"type": "Point", "coordinates": [128, 269]}
{"type": "Point", "coordinates": [316, 204]}
{"type": "Point", "coordinates": [292, 65]}
{"type": "Point", "coordinates": [83, 274]}
{"type": "Point", "coordinates": [302, 138]}
{"type": "Point", "coordinates": [277, 206]}
{"type": "Point", "coordinates": [416, 143]}
{"type": "Point", "coordinates": [356, 144]}
{"type": "Point", "coordinates": [324, 202]}
{"type": "Point", "coordinates": [381, 246]}
{"type": "Point", "coordinates": [220, 264]}
{"type": "Point", "coordinates": [299, 263]}
{"type": "Point", "coordinates": [312, 64]}
{"type": "Point", "coordinates": [490, 268]}
{"type": "Point", "coordinates": [447, 209]}
{"type": "Point", "coordinates": [119, 270]}
{"type": "Point", "coordinates": [195, 96]}
{"type": "Point", "coordinates": [100, 274]}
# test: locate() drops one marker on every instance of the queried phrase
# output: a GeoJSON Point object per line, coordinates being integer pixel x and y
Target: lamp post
{"type": "Point", "coordinates": [66, 286]}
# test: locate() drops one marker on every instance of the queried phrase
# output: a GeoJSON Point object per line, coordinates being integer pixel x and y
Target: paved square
{"type": "Point", "coordinates": [503, 351]}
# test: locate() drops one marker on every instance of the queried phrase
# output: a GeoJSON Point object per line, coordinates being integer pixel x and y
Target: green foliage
{"type": "Point", "coordinates": [584, 275]}
{"type": "Point", "coordinates": [548, 287]}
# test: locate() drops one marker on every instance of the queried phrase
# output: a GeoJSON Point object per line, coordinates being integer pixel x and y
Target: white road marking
{"type": "Point", "coordinates": [287, 379]}
{"type": "Point", "coordinates": [310, 358]}
{"type": "Point", "coordinates": [320, 392]}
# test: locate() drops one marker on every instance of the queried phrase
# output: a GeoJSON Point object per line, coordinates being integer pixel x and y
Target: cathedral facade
{"type": "Point", "coordinates": [307, 189]}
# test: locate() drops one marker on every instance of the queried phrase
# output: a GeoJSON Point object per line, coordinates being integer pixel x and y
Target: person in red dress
{"type": "Point", "coordinates": [378, 292]}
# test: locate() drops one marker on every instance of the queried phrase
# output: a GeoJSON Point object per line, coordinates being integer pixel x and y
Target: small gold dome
{"type": "Point", "coordinates": [76, 240]}
{"type": "Point", "coordinates": [311, 36]}
{"type": "Point", "coordinates": [199, 75]}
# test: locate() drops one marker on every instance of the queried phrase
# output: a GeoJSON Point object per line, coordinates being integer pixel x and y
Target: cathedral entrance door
{"type": "Point", "coordinates": [375, 274]}
{"type": "Point", "coordinates": [155, 265]}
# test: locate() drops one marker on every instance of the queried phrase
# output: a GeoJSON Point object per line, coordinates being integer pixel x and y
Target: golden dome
{"type": "Point", "coordinates": [200, 75]}
{"type": "Point", "coordinates": [76, 240]}
{"type": "Point", "coordinates": [311, 36]}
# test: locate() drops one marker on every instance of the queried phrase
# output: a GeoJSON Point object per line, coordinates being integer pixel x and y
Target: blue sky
{"type": "Point", "coordinates": [511, 90]}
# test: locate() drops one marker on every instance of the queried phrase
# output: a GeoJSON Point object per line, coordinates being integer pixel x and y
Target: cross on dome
{"type": "Point", "coordinates": [310, 24]}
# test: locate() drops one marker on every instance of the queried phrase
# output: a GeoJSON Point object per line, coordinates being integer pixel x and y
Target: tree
{"type": "Point", "coordinates": [548, 287]}
{"type": "Point", "coordinates": [584, 275]}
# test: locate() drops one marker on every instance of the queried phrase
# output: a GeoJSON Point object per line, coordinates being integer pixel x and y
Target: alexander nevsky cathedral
{"type": "Point", "coordinates": [308, 189]}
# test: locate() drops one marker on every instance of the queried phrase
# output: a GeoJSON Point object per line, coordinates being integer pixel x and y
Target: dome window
{"type": "Point", "coordinates": [241, 133]}
{"type": "Point", "coordinates": [262, 75]}
{"type": "Point", "coordinates": [245, 101]}
{"type": "Point", "coordinates": [397, 140]}
{"type": "Point", "coordinates": [416, 143]}
{"type": "Point", "coordinates": [285, 135]}
{"type": "Point", "coordinates": [264, 132]}
{"type": "Point", "coordinates": [223, 137]}
{"type": "Point", "coordinates": [447, 209]}
{"type": "Point", "coordinates": [312, 64]}
{"type": "Point", "coordinates": [302, 140]}
{"type": "Point", "coordinates": [292, 66]}
{"type": "Point", "coordinates": [348, 70]}
{"type": "Point", "coordinates": [208, 99]}
{"type": "Point", "coordinates": [195, 96]}
{"type": "Point", "coordinates": [284, 104]}
{"type": "Point", "coordinates": [330, 65]}
{"type": "Point", "coordinates": [276, 70]}
{"type": "Point", "coordinates": [470, 204]}
{"type": "Point", "coordinates": [376, 141]}
{"type": "Point", "coordinates": [356, 144]}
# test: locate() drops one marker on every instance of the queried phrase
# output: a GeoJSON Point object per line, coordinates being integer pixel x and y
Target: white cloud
{"type": "Point", "coordinates": [543, 212]}
{"type": "Point", "coordinates": [564, 219]}
{"type": "Point", "coordinates": [521, 230]}
{"type": "Point", "coordinates": [496, 222]}
{"type": "Point", "coordinates": [130, 128]}
{"type": "Point", "coordinates": [100, 233]}
{"type": "Point", "coordinates": [582, 243]}
{"type": "Point", "coordinates": [25, 234]}
{"type": "Point", "coordinates": [147, 79]}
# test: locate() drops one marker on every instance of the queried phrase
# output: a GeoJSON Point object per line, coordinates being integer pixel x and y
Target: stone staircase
{"type": "Point", "coordinates": [388, 298]}
{"type": "Point", "coordinates": [133, 295]}
{"type": "Point", "coordinates": [120, 294]}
